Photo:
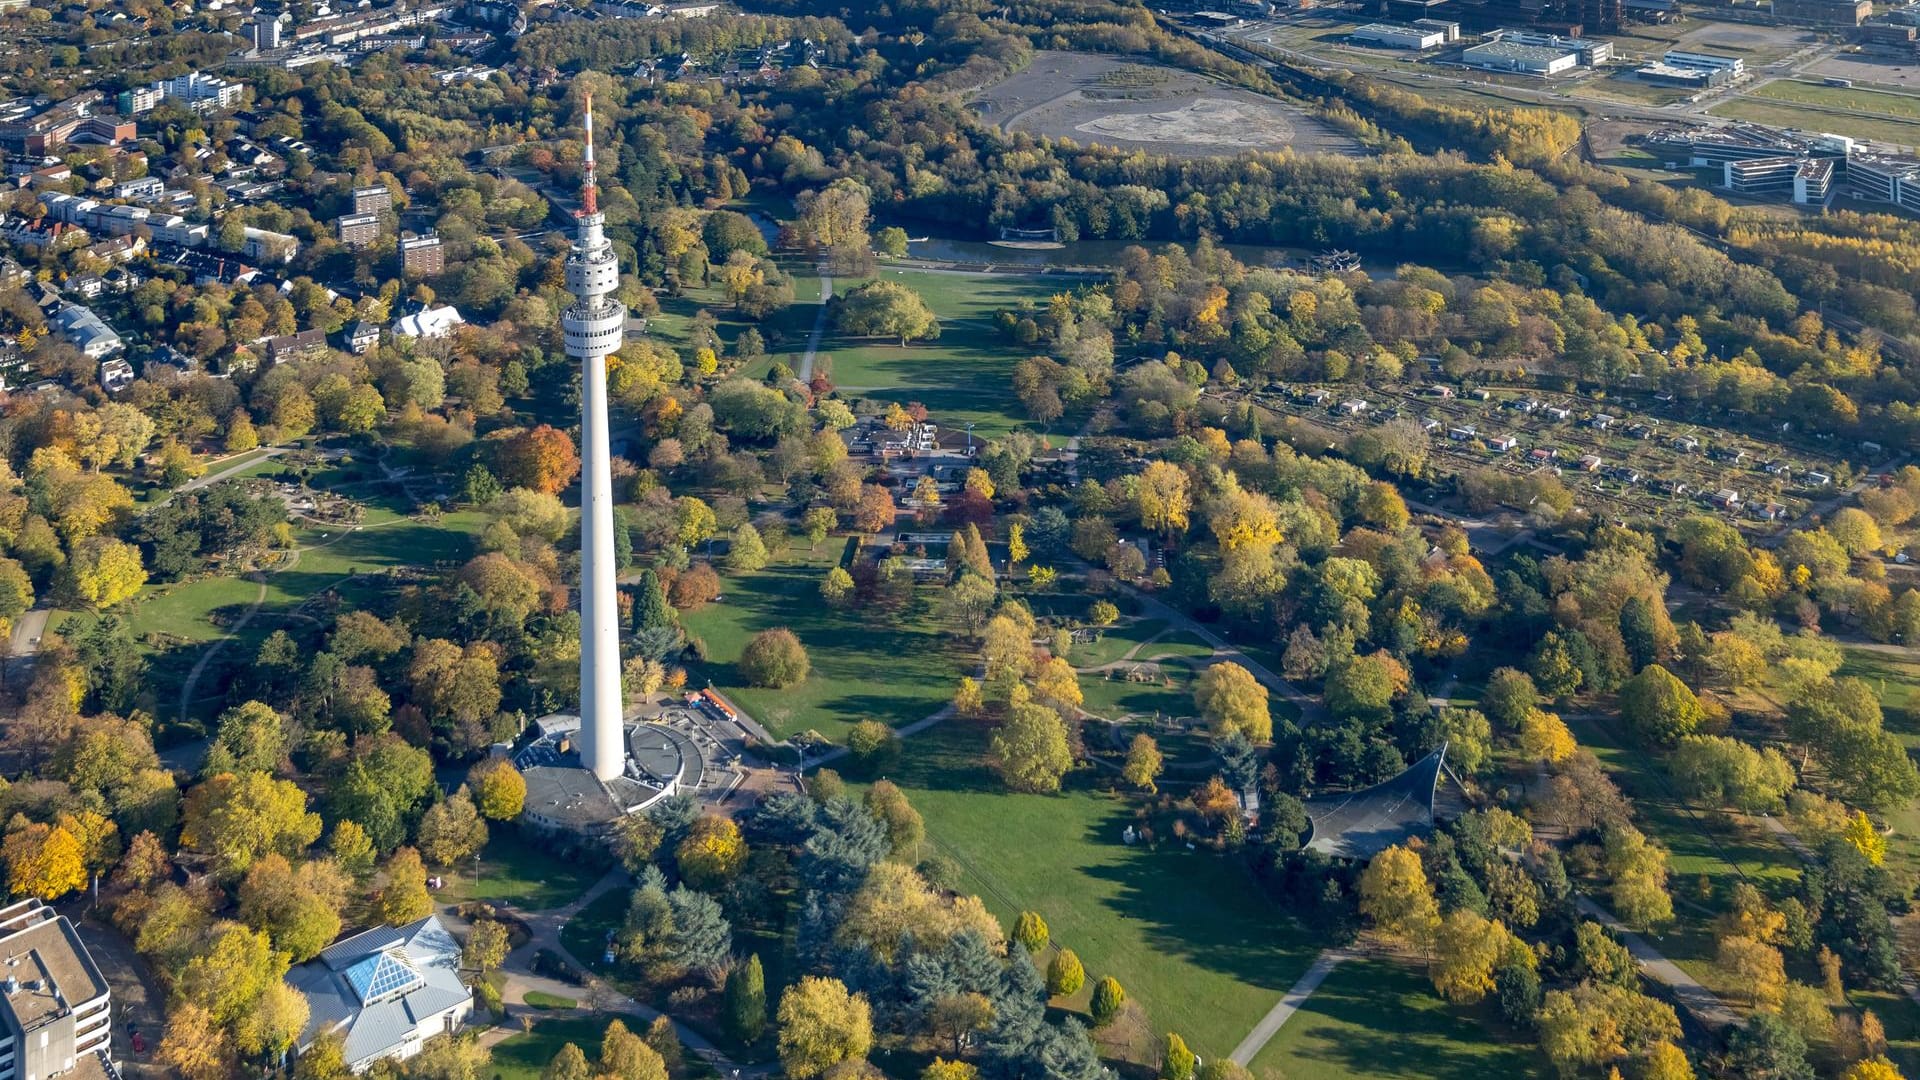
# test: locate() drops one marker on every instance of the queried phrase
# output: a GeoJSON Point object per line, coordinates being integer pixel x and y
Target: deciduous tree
{"type": "Point", "coordinates": [822, 1025]}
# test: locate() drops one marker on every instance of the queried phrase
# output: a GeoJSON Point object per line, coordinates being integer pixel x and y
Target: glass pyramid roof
{"type": "Point", "coordinates": [381, 976]}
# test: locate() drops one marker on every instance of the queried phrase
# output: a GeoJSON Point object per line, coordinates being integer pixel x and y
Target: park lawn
{"type": "Point", "coordinates": [187, 609]}
{"type": "Point", "coordinates": [1380, 1020]}
{"type": "Point", "coordinates": [540, 999]}
{"type": "Point", "coordinates": [965, 375]}
{"type": "Point", "coordinates": [517, 872]}
{"type": "Point", "coordinates": [865, 665]}
{"type": "Point", "coordinates": [1884, 129]}
{"type": "Point", "coordinates": [1179, 643]}
{"type": "Point", "coordinates": [785, 332]}
{"type": "Point", "coordinates": [1116, 697]}
{"type": "Point", "coordinates": [1706, 846]}
{"type": "Point", "coordinates": [526, 1055]}
{"type": "Point", "coordinates": [1115, 642]}
{"type": "Point", "coordinates": [585, 935]}
{"type": "Point", "coordinates": [1188, 934]}
{"type": "Point", "coordinates": [1896, 679]}
{"type": "Point", "coordinates": [1901, 1017]}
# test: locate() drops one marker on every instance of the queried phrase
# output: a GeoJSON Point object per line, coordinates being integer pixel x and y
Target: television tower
{"type": "Point", "coordinates": [594, 325]}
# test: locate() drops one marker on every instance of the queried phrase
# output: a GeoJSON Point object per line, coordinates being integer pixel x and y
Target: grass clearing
{"type": "Point", "coordinates": [1117, 697]}
{"type": "Point", "coordinates": [540, 999]}
{"type": "Point", "coordinates": [1898, 132]}
{"type": "Point", "coordinates": [1897, 679]}
{"type": "Point", "coordinates": [1710, 851]}
{"type": "Point", "coordinates": [585, 935]}
{"type": "Point", "coordinates": [1115, 642]}
{"type": "Point", "coordinates": [514, 871]}
{"type": "Point", "coordinates": [526, 1055]}
{"type": "Point", "coordinates": [1188, 934]}
{"type": "Point", "coordinates": [1340, 1033]}
{"type": "Point", "coordinates": [965, 375]}
{"type": "Point", "coordinates": [1851, 99]}
{"type": "Point", "coordinates": [865, 664]}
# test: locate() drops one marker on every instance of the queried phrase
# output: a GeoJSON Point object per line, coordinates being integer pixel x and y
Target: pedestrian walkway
{"type": "Point", "coordinates": [599, 995]}
{"type": "Point", "coordinates": [1152, 607]}
{"type": "Point", "coordinates": [1289, 1003]}
{"type": "Point", "coordinates": [1695, 998]}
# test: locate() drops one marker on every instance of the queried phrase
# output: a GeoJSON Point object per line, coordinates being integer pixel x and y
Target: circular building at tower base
{"type": "Point", "coordinates": [564, 797]}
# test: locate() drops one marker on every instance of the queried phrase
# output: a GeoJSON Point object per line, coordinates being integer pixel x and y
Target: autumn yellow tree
{"type": "Point", "coordinates": [1544, 736]}
{"type": "Point", "coordinates": [1233, 700]}
{"type": "Point", "coordinates": [498, 789]}
{"type": "Point", "coordinates": [1875, 1068]}
{"type": "Point", "coordinates": [43, 860]}
{"type": "Point", "coordinates": [1144, 762]}
{"type": "Point", "coordinates": [1056, 684]}
{"type": "Point", "coordinates": [103, 571]}
{"type": "Point", "coordinates": [1395, 894]}
{"type": "Point", "coordinates": [1162, 498]}
{"type": "Point", "coordinates": [713, 852]}
{"type": "Point", "coordinates": [1665, 1061]}
{"type": "Point", "coordinates": [1755, 967]}
{"type": "Point", "coordinates": [1865, 838]}
{"type": "Point", "coordinates": [1467, 948]}
{"type": "Point", "coordinates": [822, 1025]}
{"type": "Point", "coordinates": [195, 1046]}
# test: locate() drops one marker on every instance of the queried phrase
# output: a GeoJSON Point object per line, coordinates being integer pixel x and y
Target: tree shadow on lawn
{"type": "Point", "coordinates": [1421, 1042]}
{"type": "Point", "coordinates": [950, 756]}
{"type": "Point", "coordinates": [1201, 907]}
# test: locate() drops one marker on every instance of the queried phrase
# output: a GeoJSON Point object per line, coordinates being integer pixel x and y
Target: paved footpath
{"type": "Point", "coordinates": [1289, 1003]}
{"type": "Point", "coordinates": [545, 929]}
{"type": "Point", "coordinates": [1697, 999]}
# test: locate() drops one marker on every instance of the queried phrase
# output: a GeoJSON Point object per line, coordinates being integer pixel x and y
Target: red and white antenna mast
{"type": "Point", "coordinates": [590, 191]}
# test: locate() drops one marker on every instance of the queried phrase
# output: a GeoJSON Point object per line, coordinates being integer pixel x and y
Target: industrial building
{"type": "Point", "coordinates": [1450, 29]}
{"type": "Point", "coordinates": [1684, 78]}
{"type": "Point", "coordinates": [1881, 178]}
{"type": "Point", "coordinates": [1823, 12]}
{"type": "Point", "coordinates": [1711, 61]}
{"type": "Point", "coordinates": [1569, 18]}
{"type": "Point", "coordinates": [56, 1013]}
{"type": "Point", "coordinates": [1588, 51]}
{"type": "Point", "coordinates": [1802, 180]}
{"type": "Point", "coordinates": [1391, 36]}
{"type": "Point", "coordinates": [1520, 59]}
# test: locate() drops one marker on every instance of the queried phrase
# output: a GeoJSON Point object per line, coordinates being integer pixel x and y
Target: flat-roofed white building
{"type": "Point", "coordinates": [1520, 59]}
{"type": "Point", "coordinates": [1710, 61]}
{"type": "Point", "coordinates": [56, 1014]}
{"type": "Point", "coordinates": [1393, 36]}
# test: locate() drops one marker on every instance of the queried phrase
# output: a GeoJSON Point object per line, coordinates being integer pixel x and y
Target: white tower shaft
{"type": "Point", "coordinates": [594, 326]}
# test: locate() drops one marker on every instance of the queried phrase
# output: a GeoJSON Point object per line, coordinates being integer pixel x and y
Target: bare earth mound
{"type": "Point", "coordinates": [1122, 103]}
{"type": "Point", "coordinates": [1206, 122]}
